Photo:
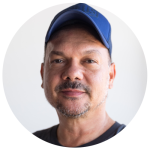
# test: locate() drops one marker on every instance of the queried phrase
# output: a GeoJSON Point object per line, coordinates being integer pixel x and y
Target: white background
{"type": "Point", "coordinates": [15, 14]}
{"type": "Point", "coordinates": [22, 80]}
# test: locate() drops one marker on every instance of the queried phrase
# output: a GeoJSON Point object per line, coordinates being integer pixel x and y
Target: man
{"type": "Point", "coordinates": [76, 75]}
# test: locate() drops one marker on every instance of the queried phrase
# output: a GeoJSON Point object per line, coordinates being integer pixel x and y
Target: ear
{"type": "Point", "coordinates": [42, 72]}
{"type": "Point", "coordinates": [112, 74]}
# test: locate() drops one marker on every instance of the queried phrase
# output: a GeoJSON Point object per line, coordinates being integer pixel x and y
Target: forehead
{"type": "Point", "coordinates": [76, 40]}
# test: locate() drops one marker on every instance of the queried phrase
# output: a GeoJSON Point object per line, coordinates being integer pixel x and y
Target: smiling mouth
{"type": "Point", "coordinates": [72, 92]}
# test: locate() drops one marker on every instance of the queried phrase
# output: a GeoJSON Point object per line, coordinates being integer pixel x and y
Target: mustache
{"type": "Point", "coordinates": [72, 85]}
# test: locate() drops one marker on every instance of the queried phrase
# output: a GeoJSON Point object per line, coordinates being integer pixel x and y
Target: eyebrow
{"type": "Point", "coordinates": [85, 52]}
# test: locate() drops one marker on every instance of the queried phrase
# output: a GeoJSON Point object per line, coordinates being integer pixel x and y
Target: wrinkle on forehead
{"type": "Point", "coordinates": [82, 48]}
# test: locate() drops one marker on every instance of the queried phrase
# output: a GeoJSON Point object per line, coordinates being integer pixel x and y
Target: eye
{"type": "Point", "coordinates": [90, 61]}
{"type": "Point", "coordinates": [57, 61]}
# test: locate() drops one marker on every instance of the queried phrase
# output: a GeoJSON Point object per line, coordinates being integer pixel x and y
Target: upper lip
{"type": "Point", "coordinates": [72, 90]}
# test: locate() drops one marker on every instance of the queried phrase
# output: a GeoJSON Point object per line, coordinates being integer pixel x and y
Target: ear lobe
{"type": "Point", "coordinates": [112, 74]}
{"type": "Point", "coordinates": [42, 72]}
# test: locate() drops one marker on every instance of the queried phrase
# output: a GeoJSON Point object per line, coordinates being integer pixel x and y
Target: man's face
{"type": "Point", "coordinates": [76, 74]}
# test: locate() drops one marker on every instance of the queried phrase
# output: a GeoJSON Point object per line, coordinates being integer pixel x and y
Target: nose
{"type": "Point", "coordinates": [72, 72]}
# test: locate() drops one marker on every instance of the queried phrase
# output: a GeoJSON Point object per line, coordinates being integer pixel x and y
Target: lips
{"type": "Point", "coordinates": [72, 93]}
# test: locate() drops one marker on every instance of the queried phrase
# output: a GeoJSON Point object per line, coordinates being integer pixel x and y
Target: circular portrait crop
{"type": "Point", "coordinates": [74, 75]}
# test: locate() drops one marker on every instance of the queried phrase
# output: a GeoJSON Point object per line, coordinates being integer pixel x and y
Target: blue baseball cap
{"type": "Point", "coordinates": [86, 14]}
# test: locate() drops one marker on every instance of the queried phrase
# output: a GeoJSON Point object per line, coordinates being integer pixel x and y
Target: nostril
{"type": "Point", "coordinates": [68, 78]}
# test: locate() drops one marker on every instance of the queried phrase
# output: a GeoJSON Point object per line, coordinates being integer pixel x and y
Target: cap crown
{"type": "Point", "coordinates": [85, 13]}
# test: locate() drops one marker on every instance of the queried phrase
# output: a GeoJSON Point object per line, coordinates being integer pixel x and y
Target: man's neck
{"type": "Point", "coordinates": [76, 132]}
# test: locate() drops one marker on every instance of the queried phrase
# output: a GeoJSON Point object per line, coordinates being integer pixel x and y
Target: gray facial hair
{"type": "Point", "coordinates": [79, 113]}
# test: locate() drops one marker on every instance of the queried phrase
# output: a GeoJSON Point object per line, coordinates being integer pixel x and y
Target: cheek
{"type": "Point", "coordinates": [51, 80]}
{"type": "Point", "coordinates": [94, 78]}
{"type": "Point", "coordinates": [97, 81]}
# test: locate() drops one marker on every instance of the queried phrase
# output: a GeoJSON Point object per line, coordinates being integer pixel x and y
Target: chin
{"type": "Point", "coordinates": [73, 109]}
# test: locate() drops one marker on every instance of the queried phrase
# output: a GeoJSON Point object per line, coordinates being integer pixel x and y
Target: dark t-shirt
{"type": "Point", "coordinates": [50, 135]}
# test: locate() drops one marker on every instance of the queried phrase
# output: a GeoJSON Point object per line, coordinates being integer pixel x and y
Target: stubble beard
{"type": "Point", "coordinates": [75, 110]}
{"type": "Point", "coordinates": [74, 113]}
{"type": "Point", "coordinates": [79, 111]}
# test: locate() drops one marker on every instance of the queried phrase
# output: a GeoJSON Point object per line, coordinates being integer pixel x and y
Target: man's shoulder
{"type": "Point", "coordinates": [119, 127]}
{"type": "Point", "coordinates": [45, 134]}
{"type": "Point", "coordinates": [112, 131]}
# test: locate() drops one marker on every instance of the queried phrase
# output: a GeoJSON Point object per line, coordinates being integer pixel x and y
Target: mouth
{"type": "Point", "coordinates": [72, 92]}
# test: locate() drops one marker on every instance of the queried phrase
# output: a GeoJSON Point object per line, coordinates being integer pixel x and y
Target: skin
{"type": "Point", "coordinates": [75, 55]}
